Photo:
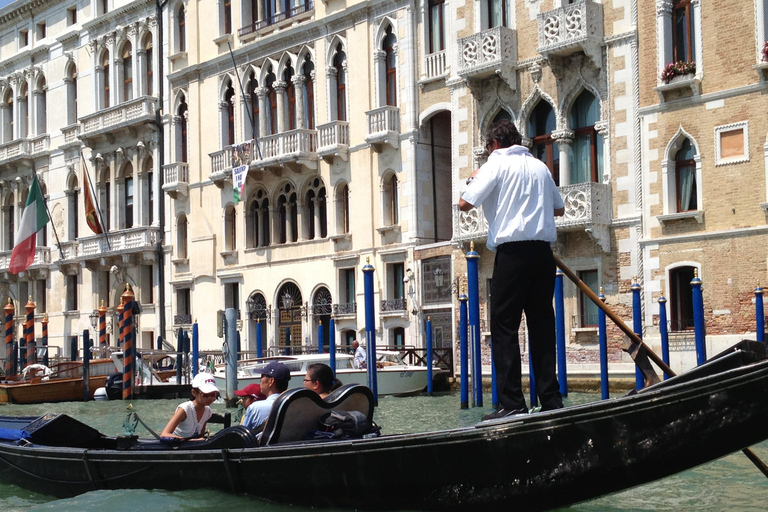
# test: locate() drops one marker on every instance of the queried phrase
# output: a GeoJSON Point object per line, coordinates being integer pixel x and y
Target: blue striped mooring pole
{"type": "Point", "coordinates": [562, 374]}
{"type": "Point", "coordinates": [603, 342]}
{"type": "Point", "coordinates": [370, 329]}
{"type": "Point", "coordinates": [332, 344]}
{"type": "Point", "coordinates": [637, 327]}
{"type": "Point", "coordinates": [259, 338]}
{"type": "Point", "coordinates": [429, 356]}
{"type": "Point", "coordinates": [664, 332]}
{"type": "Point", "coordinates": [320, 338]}
{"type": "Point", "coordinates": [195, 350]}
{"type": "Point", "coordinates": [463, 351]}
{"type": "Point", "coordinates": [698, 319]}
{"type": "Point", "coordinates": [759, 314]}
{"type": "Point", "coordinates": [473, 288]}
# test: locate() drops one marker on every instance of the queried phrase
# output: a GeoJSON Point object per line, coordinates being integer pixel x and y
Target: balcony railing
{"type": "Point", "coordinates": [394, 305]}
{"type": "Point", "coordinates": [566, 30]}
{"type": "Point", "coordinates": [383, 125]}
{"type": "Point", "coordinates": [276, 18]}
{"type": "Point", "coordinates": [333, 139]}
{"type": "Point", "coordinates": [124, 241]}
{"type": "Point", "coordinates": [70, 134]}
{"type": "Point", "coordinates": [176, 179]}
{"type": "Point", "coordinates": [42, 257]}
{"type": "Point", "coordinates": [21, 149]}
{"type": "Point", "coordinates": [435, 65]}
{"type": "Point", "coordinates": [469, 225]}
{"type": "Point", "coordinates": [488, 52]}
{"type": "Point", "coordinates": [124, 115]}
{"type": "Point", "coordinates": [295, 146]}
{"type": "Point", "coordinates": [345, 308]}
{"type": "Point", "coordinates": [182, 319]}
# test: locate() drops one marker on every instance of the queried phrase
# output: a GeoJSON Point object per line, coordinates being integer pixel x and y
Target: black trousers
{"type": "Point", "coordinates": [524, 281]}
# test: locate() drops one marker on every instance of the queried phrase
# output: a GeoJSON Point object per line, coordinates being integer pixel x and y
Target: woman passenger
{"type": "Point", "coordinates": [320, 379]}
{"type": "Point", "coordinates": [188, 422]}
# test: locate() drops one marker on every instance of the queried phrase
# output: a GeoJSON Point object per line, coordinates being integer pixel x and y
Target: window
{"type": "Point", "coordinates": [149, 170]}
{"type": "Point", "coordinates": [73, 208]}
{"type": "Point", "coordinates": [253, 118]}
{"type": "Point", "coordinates": [587, 308]}
{"type": "Point", "coordinates": [497, 13]}
{"type": "Point", "coordinates": [685, 176]}
{"type": "Point", "coordinates": [436, 26]}
{"type": "Point", "coordinates": [182, 113]}
{"type": "Point", "coordinates": [104, 6]}
{"type": "Point", "coordinates": [105, 79]}
{"type": "Point", "coordinates": [309, 94]}
{"type": "Point", "coordinates": [148, 64]}
{"type": "Point", "coordinates": [147, 284]}
{"type": "Point", "coordinates": [390, 60]}
{"type": "Point", "coordinates": [39, 296]}
{"type": "Point", "coordinates": [41, 31]}
{"type": "Point", "coordinates": [8, 116]}
{"type": "Point", "coordinates": [127, 72]}
{"type": "Point", "coordinates": [227, 16]}
{"type": "Point", "coordinates": [271, 104]}
{"type": "Point", "coordinates": [181, 23]}
{"type": "Point", "coordinates": [72, 293]}
{"type": "Point", "coordinates": [71, 81]}
{"type": "Point", "coordinates": [106, 201]}
{"type": "Point", "coordinates": [316, 210]}
{"type": "Point", "coordinates": [230, 229]}
{"type": "Point", "coordinates": [41, 106]}
{"type": "Point", "coordinates": [339, 63]}
{"type": "Point", "coordinates": [288, 215]}
{"type": "Point", "coordinates": [396, 288]}
{"type": "Point", "coordinates": [229, 114]}
{"type": "Point", "coordinates": [71, 16]}
{"type": "Point", "coordinates": [682, 32]}
{"type": "Point", "coordinates": [587, 147]}
{"type": "Point", "coordinates": [398, 337]}
{"type": "Point", "coordinates": [23, 38]}
{"type": "Point", "coordinates": [342, 209]}
{"type": "Point", "coordinates": [348, 337]}
{"type": "Point", "coordinates": [390, 201]}
{"type": "Point", "coordinates": [24, 111]}
{"type": "Point", "coordinates": [540, 127]}
{"type": "Point", "coordinates": [290, 99]}
{"type": "Point", "coordinates": [128, 196]}
{"type": "Point", "coordinates": [232, 296]}
{"type": "Point", "coordinates": [258, 220]}
{"type": "Point", "coordinates": [681, 298]}
{"type": "Point", "coordinates": [183, 307]}
{"type": "Point", "coordinates": [181, 237]}
{"type": "Point", "coordinates": [348, 286]}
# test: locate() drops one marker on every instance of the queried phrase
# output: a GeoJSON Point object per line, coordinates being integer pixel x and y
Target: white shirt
{"type": "Point", "coordinates": [360, 357]}
{"type": "Point", "coordinates": [190, 426]}
{"type": "Point", "coordinates": [518, 195]}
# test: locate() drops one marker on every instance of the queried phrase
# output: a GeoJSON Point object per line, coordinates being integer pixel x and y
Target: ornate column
{"type": "Point", "coordinates": [564, 139]}
{"type": "Point", "coordinates": [288, 223]}
{"type": "Point", "coordinates": [116, 61]}
{"type": "Point", "coordinates": [224, 119]}
{"type": "Point", "coordinates": [280, 93]}
{"type": "Point", "coordinates": [263, 128]}
{"type": "Point", "coordinates": [604, 131]}
{"type": "Point", "coordinates": [664, 31]}
{"type": "Point", "coordinates": [299, 81]}
{"type": "Point", "coordinates": [97, 76]}
{"type": "Point", "coordinates": [331, 83]}
{"type": "Point", "coordinates": [318, 220]}
{"type": "Point", "coordinates": [379, 71]}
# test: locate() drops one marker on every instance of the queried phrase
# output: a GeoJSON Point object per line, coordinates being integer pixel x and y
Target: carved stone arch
{"type": "Point", "coordinates": [570, 98]}
{"type": "Point", "coordinates": [285, 59]}
{"type": "Point", "coordinates": [179, 94]}
{"type": "Point", "coordinates": [247, 70]}
{"type": "Point", "coordinates": [381, 30]}
{"type": "Point", "coordinates": [331, 48]}
{"type": "Point", "coordinates": [103, 53]}
{"type": "Point", "coordinates": [253, 193]}
{"type": "Point", "coordinates": [292, 286]}
{"type": "Point", "coordinates": [676, 141]}
{"type": "Point", "coordinates": [433, 111]}
{"type": "Point", "coordinates": [308, 184]}
{"type": "Point", "coordinates": [530, 103]}
{"type": "Point", "coordinates": [225, 81]}
{"type": "Point", "coordinates": [41, 84]}
{"type": "Point", "coordinates": [491, 113]}
{"type": "Point", "coordinates": [303, 52]}
{"type": "Point", "coordinates": [73, 181]}
{"type": "Point", "coordinates": [269, 65]}
{"type": "Point", "coordinates": [280, 190]}
{"type": "Point", "coordinates": [120, 45]}
{"type": "Point", "coordinates": [145, 35]}
{"type": "Point", "coordinates": [322, 300]}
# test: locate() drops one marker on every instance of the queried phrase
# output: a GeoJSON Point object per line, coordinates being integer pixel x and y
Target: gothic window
{"type": "Point", "coordinates": [316, 209]}
{"type": "Point", "coordinates": [105, 79]}
{"type": "Point", "coordinates": [587, 147]}
{"type": "Point", "coordinates": [290, 99]}
{"type": "Point", "coordinates": [287, 215]}
{"type": "Point", "coordinates": [127, 72]}
{"type": "Point", "coordinates": [258, 220]}
{"type": "Point", "coordinates": [148, 64]}
{"type": "Point", "coordinates": [391, 200]}
{"type": "Point", "coordinates": [309, 93]}
{"type": "Point", "coordinates": [540, 127]}
{"type": "Point", "coordinates": [271, 104]}
{"type": "Point", "coordinates": [341, 83]}
{"type": "Point", "coordinates": [181, 28]}
{"type": "Point", "coordinates": [182, 143]}
{"type": "Point", "coordinates": [253, 119]}
{"type": "Point", "coordinates": [390, 60]}
{"type": "Point", "coordinates": [181, 237]}
{"type": "Point", "coordinates": [685, 178]}
{"type": "Point", "coordinates": [229, 115]}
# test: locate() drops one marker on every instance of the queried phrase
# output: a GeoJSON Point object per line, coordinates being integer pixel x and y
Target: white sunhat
{"type": "Point", "coordinates": [204, 382]}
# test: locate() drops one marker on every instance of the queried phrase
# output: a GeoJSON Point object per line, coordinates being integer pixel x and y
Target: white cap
{"type": "Point", "coordinates": [204, 382]}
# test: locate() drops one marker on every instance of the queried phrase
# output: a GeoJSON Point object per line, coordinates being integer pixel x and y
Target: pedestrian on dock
{"type": "Point", "coordinates": [520, 201]}
{"type": "Point", "coordinates": [188, 422]}
{"type": "Point", "coordinates": [274, 380]}
{"type": "Point", "coordinates": [359, 360]}
{"type": "Point", "coordinates": [320, 379]}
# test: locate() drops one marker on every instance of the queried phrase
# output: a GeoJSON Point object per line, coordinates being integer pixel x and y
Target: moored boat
{"type": "Point", "coordinates": [61, 382]}
{"type": "Point", "coordinates": [528, 462]}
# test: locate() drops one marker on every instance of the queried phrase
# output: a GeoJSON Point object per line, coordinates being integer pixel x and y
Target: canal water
{"type": "Point", "coordinates": [728, 484]}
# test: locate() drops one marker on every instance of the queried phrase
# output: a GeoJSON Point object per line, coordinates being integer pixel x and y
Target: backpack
{"type": "Point", "coordinates": [347, 424]}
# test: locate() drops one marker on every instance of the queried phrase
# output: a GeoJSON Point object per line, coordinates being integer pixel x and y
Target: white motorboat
{"type": "Point", "coordinates": [394, 376]}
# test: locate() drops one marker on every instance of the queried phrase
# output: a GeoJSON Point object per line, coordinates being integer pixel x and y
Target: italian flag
{"type": "Point", "coordinates": [34, 218]}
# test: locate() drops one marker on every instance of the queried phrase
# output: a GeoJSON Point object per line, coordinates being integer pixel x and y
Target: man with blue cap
{"type": "Point", "coordinates": [274, 380]}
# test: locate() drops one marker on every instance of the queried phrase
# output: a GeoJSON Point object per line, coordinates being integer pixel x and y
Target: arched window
{"type": "Point", "coordinates": [149, 64]}
{"type": "Point", "coordinates": [309, 93]}
{"type": "Point", "coordinates": [181, 24]}
{"type": "Point", "coordinates": [71, 81]}
{"type": "Point", "coordinates": [41, 106]}
{"type": "Point", "coordinates": [182, 112]}
{"type": "Point", "coordinates": [8, 116]}
{"type": "Point", "coordinates": [391, 201]}
{"type": "Point", "coordinates": [73, 208]}
{"type": "Point", "coordinates": [24, 110]}
{"type": "Point", "coordinates": [149, 171]}
{"type": "Point", "coordinates": [9, 224]}
{"type": "Point", "coordinates": [342, 209]}
{"type": "Point", "coordinates": [339, 63]}
{"type": "Point", "coordinates": [128, 196]}
{"type": "Point", "coordinates": [682, 31]}
{"type": "Point", "coordinates": [258, 221]}
{"type": "Point", "coordinates": [685, 177]}
{"type": "Point", "coordinates": [127, 72]}
{"type": "Point", "coordinates": [42, 239]}
{"type": "Point", "coordinates": [271, 104]}
{"type": "Point", "coordinates": [181, 237]}
{"type": "Point", "coordinates": [290, 99]}
{"type": "Point", "coordinates": [586, 161]}
{"type": "Point", "coordinates": [390, 60]}
{"type": "Point", "coordinates": [227, 16]}
{"type": "Point", "coordinates": [230, 229]}
{"type": "Point", "coordinates": [105, 200]}
{"type": "Point", "coordinates": [253, 120]}
{"type": "Point", "coordinates": [540, 127]}
{"type": "Point", "coordinates": [681, 298]}
{"type": "Point", "coordinates": [316, 210]}
{"type": "Point", "coordinates": [288, 215]}
{"type": "Point", "coordinates": [229, 115]}
{"type": "Point", "coordinates": [105, 79]}
{"type": "Point", "coordinates": [289, 303]}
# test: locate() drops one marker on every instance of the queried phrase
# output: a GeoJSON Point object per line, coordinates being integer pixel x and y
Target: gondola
{"type": "Point", "coordinates": [528, 462]}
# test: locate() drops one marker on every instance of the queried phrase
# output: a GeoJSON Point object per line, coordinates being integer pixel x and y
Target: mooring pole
{"type": "Point", "coordinates": [463, 352]}
{"type": "Point", "coordinates": [320, 336]}
{"type": "Point", "coordinates": [759, 314]}
{"type": "Point", "coordinates": [603, 342]}
{"type": "Point", "coordinates": [44, 340]}
{"type": "Point", "coordinates": [429, 355]}
{"type": "Point", "coordinates": [473, 287]}
{"type": "Point", "coordinates": [102, 330]}
{"type": "Point", "coordinates": [259, 340]}
{"type": "Point", "coordinates": [128, 348]}
{"type": "Point", "coordinates": [664, 332]}
{"type": "Point", "coordinates": [698, 319]}
{"type": "Point", "coordinates": [230, 341]}
{"type": "Point", "coordinates": [86, 365]}
{"type": "Point", "coordinates": [332, 344]}
{"type": "Point", "coordinates": [562, 375]}
{"type": "Point", "coordinates": [29, 334]}
{"type": "Point", "coordinates": [637, 327]}
{"type": "Point", "coordinates": [370, 330]}
{"type": "Point", "coordinates": [195, 349]}
{"type": "Point", "coordinates": [9, 310]}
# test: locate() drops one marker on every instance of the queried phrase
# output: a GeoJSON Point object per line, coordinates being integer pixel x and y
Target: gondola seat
{"type": "Point", "coordinates": [296, 412]}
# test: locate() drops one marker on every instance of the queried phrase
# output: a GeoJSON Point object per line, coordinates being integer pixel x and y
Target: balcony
{"type": "Point", "coordinates": [295, 14]}
{"type": "Point", "coordinates": [383, 125]}
{"type": "Point", "coordinates": [487, 53]}
{"type": "Point", "coordinates": [435, 67]}
{"type": "Point", "coordinates": [588, 207]}
{"type": "Point", "coordinates": [469, 226]}
{"type": "Point", "coordinates": [291, 148]}
{"type": "Point", "coordinates": [176, 179]}
{"type": "Point", "coordinates": [333, 140]}
{"type": "Point", "coordinates": [221, 166]}
{"type": "Point", "coordinates": [123, 242]}
{"type": "Point", "coordinates": [682, 86]}
{"type": "Point", "coordinates": [345, 309]}
{"type": "Point", "coordinates": [21, 150]}
{"type": "Point", "coordinates": [124, 118]}
{"type": "Point", "coordinates": [70, 134]}
{"type": "Point", "coordinates": [394, 307]}
{"type": "Point", "coordinates": [182, 319]}
{"type": "Point", "coordinates": [575, 27]}
{"type": "Point", "coordinates": [41, 262]}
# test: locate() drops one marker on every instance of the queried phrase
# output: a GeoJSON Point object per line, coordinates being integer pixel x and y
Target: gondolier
{"type": "Point", "coordinates": [520, 201]}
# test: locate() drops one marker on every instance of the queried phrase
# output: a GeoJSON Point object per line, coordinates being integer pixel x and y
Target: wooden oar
{"type": "Point", "coordinates": [636, 340]}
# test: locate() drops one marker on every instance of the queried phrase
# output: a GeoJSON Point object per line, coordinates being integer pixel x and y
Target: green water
{"type": "Point", "coordinates": [731, 483]}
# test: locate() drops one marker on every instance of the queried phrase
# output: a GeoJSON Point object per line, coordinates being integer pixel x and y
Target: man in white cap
{"type": "Point", "coordinates": [274, 380]}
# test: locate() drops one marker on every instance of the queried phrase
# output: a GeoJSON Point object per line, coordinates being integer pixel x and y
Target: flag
{"type": "Point", "coordinates": [241, 155]}
{"type": "Point", "coordinates": [91, 217]}
{"type": "Point", "coordinates": [34, 218]}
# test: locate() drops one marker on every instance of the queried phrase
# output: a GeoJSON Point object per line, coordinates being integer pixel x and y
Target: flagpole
{"type": "Point", "coordinates": [242, 92]}
{"type": "Point", "coordinates": [48, 211]}
{"type": "Point", "coordinates": [95, 200]}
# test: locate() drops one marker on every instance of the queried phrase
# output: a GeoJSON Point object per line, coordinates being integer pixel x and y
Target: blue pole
{"type": "Point", "coordinates": [463, 351]}
{"type": "Point", "coordinates": [332, 344]}
{"type": "Point", "coordinates": [320, 336]}
{"type": "Point", "coordinates": [473, 287]}
{"type": "Point", "coordinates": [603, 341]}
{"type": "Point", "coordinates": [287, 341]}
{"type": "Point", "coordinates": [179, 354]}
{"type": "Point", "coordinates": [429, 356]}
{"type": "Point", "coordinates": [187, 351]}
{"type": "Point", "coordinates": [664, 332]}
{"type": "Point", "coordinates": [637, 326]}
{"type": "Point", "coordinates": [195, 349]}
{"type": "Point", "coordinates": [230, 342]}
{"type": "Point", "coordinates": [259, 340]}
{"type": "Point", "coordinates": [698, 319]}
{"type": "Point", "coordinates": [72, 348]}
{"type": "Point", "coordinates": [159, 343]}
{"type": "Point", "coordinates": [532, 379]}
{"type": "Point", "coordinates": [494, 391]}
{"type": "Point", "coordinates": [562, 375]}
{"type": "Point", "coordinates": [759, 314]}
{"type": "Point", "coordinates": [86, 365]}
{"type": "Point", "coordinates": [370, 330]}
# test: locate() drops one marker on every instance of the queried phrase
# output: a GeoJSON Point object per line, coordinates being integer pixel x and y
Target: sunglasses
{"type": "Point", "coordinates": [210, 395]}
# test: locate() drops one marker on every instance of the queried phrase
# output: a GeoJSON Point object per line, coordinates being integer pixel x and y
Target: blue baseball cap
{"type": "Point", "coordinates": [277, 371]}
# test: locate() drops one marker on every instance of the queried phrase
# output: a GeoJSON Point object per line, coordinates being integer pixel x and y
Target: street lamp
{"type": "Point", "coordinates": [439, 274]}
{"type": "Point", "coordinates": [287, 300]}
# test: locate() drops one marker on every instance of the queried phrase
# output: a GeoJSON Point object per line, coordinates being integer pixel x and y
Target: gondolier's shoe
{"type": "Point", "coordinates": [503, 413]}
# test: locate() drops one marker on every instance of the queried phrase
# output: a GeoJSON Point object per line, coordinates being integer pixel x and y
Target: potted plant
{"type": "Point", "coordinates": [675, 69]}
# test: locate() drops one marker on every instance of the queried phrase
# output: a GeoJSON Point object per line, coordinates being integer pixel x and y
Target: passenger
{"type": "Point", "coordinates": [188, 422]}
{"type": "Point", "coordinates": [250, 394]}
{"type": "Point", "coordinates": [359, 360]}
{"type": "Point", "coordinates": [320, 379]}
{"type": "Point", "coordinates": [274, 380]}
